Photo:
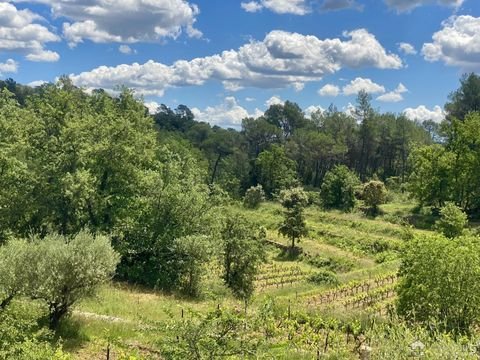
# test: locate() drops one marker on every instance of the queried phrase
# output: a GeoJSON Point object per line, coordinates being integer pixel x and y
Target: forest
{"type": "Point", "coordinates": [130, 235]}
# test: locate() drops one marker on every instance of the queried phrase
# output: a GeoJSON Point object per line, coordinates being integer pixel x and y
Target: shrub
{"type": "Point", "coordinates": [335, 265]}
{"type": "Point", "coordinates": [439, 282]}
{"type": "Point", "coordinates": [452, 221]}
{"type": "Point", "coordinates": [338, 189]}
{"type": "Point", "coordinates": [254, 197]}
{"type": "Point", "coordinates": [324, 277]}
{"type": "Point", "coordinates": [64, 270]}
{"type": "Point", "coordinates": [374, 194]}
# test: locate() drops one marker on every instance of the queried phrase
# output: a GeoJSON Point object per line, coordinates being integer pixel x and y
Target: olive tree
{"type": "Point", "coordinates": [440, 282]}
{"type": "Point", "coordinates": [64, 270]}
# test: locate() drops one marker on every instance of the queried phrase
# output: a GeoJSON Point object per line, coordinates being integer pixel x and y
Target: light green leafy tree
{"type": "Point", "coordinates": [440, 282]}
{"type": "Point", "coordinates": [294, 226]}
{"type": "Point", "coordinates": [452, 221]}
{"type": "Point", "coordinates": [338, 189]}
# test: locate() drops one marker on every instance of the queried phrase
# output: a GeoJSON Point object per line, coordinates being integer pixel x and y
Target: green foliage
{"type": "Point", "coordinates": [294, 226]}
{"type": "Point", "coordinates": [63, 271]}
{"type": "Point", "coordinates": [254, 197]}
{"type": "Point", "coordinates": [374, 194]}
{"type": "Point", "coordinates": [324, 277]}
{"type": "Point", "coordinates": [23, 338]}
{"type": "Point", "coordinates": [332, 264]}
{"type": "Point", "coordinates": [338, 189]}
{"type": "Point", "coordinates": [452, 221]}
{"type": "Point", "coordinates": [193, 253]}
{"type": "Point", "coordinates": [218, 334]}
{"type": "Point", "coordinates": [440, 282]}
{"type": "Point", "coordinates": [275, 170]}
{"type": "Point", "coordinates": [242, 253]}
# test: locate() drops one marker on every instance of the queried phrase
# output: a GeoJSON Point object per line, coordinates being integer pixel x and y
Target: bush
{"type": "Point", "coordinates": [338, 189]}
{"type": "Point", "coordinates": [374, 194]}
{"type": "Point", "coordinates": [63, 271]}
{"type": "Point", "coordinates": [439, 282]}
{"type": "Point", "coordinates": [324, 277]}
{"type": "Point", "coordinates": [254, 197]}
{"type": "Point", "coordinates": [452, 221]}
{"type": "Point", "coordinates": [335, 265]}
{"type": "Point", "coordinates": [294, 226]}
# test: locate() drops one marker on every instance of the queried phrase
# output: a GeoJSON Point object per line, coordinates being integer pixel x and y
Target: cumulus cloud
{"type": "Point", "coordinates": [408, 5]}
{"type": "Point", "coordinates": [274, 100]}
{"type": "Point", "coordinates": [37, 83]}
{"type": "Point", "coordinates": [422, 113]}
{"type": "Point", "coordinates": [152, 106]}
{"type": "Point", "coordinates": [10, 66]}
{"type": "Point", "coordinates": [313, 109]}
{"type": "Point", "coordinates": [227, 114]}
{"type": "Point", "coordinates": [20, 32]}
{"type": "Point", "coordinates": [407, 49]}
{"type": "Point", "coordinates": [333, 5]}
{"type": "Point", "coordinates": [251, 6]}
{"type": "Point", "coordinates": [125, 21]}
{"type": "Point", "coordinates": [127, 50]}
{"type": "Point", "coordinates": [295, 7]}
{"type": "Point", "coordinates": [359, 84]}
{"type": "Point", "coordinates": [457, 44]}
{"type": "Point", "coordinates": [329, 90]}
{"type": "Point", "coordinates": [395, 95]}
{"type": "Point", "coordinates": [282, 59]}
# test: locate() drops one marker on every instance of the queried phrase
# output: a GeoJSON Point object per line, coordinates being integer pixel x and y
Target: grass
{"type": "Point", "coordinates": [129, 316]}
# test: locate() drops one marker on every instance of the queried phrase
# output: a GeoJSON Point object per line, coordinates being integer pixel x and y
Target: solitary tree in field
{"type": "Point", "coordinates": [294, 226]}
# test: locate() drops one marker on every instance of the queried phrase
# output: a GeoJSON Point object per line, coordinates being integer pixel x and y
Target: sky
{"type": "Point", "coordinates": [229, 59]}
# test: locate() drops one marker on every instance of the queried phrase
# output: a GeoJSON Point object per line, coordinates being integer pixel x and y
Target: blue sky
{"type": "Point", "coordinates": [228, 59]}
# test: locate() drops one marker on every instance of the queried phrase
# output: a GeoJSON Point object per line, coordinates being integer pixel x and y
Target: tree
{"type": "Point", "coordinates": [294, 226]}
{"type": "Point", "coordinates": [338, 189]}
{"type": "Point", "coordinates": [440, 282]}
{"type": "Point", "coordinates": [242, 253]}
{"type": "Point", "coordinates": [64, 271]}
{"type": "Point", "coordinates": [466, 99]}
{"type": "Point", "coordinates": [193, 253]}
{"type": "Point", "coordinates": [254, 197]}
{"type": "Point", "coordinates": [14, 277]}
{"type": "Point", "coordinates": [275, 170]}
{"type": "Point", "coordinates": [374, 194]}
{"type": "Point", "coordinates": [452, 221]}
{"type": "Point", "coordinates": [288, 117]}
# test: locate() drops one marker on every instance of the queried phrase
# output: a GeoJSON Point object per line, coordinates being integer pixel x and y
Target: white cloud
{"type": "Point", "coordinates": [227, 114]}
{"type": "Point", "coordinates": [422, 113]}
{"type": "Point", "coordinates": [251, 6]}
{"type": "Point", "coordinates": [408, 5]}
{"type": "Point", "coordinates": [37, 83]}
{"type": "Point", "coordinates": [282, 59]}
{"type": "Point", "coordinates": [350, 110]}
{"type": "Point", "coordinates": [249, 99]}
{"type": "Point", "coordinates": [20, 33]}
{"type": "Point", "coordinates": [407, 49]}
{"type": "Point", "coordinates": [313, 109]}
{"type": "Point", "coordinates": [329, 90]}
{"type": "Point", "coordinates": [457, 44]}
{"type": "Point", "coordinates": [274, 100]}
{"type": "Point", "coordinates": [295, 7]}
{"type": "Point", "coordinates": [125, 21]}
{"type": "Point", "coordinates": [152, 106]}
{"type": "Point", "coordinates": [395, 95]}
{"type": "Point", "coordinates": [359, 84]}
{"type": "Point", "coordinates": [10, 66]}
{"type": "Point", "coordinates": [127, 50]}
